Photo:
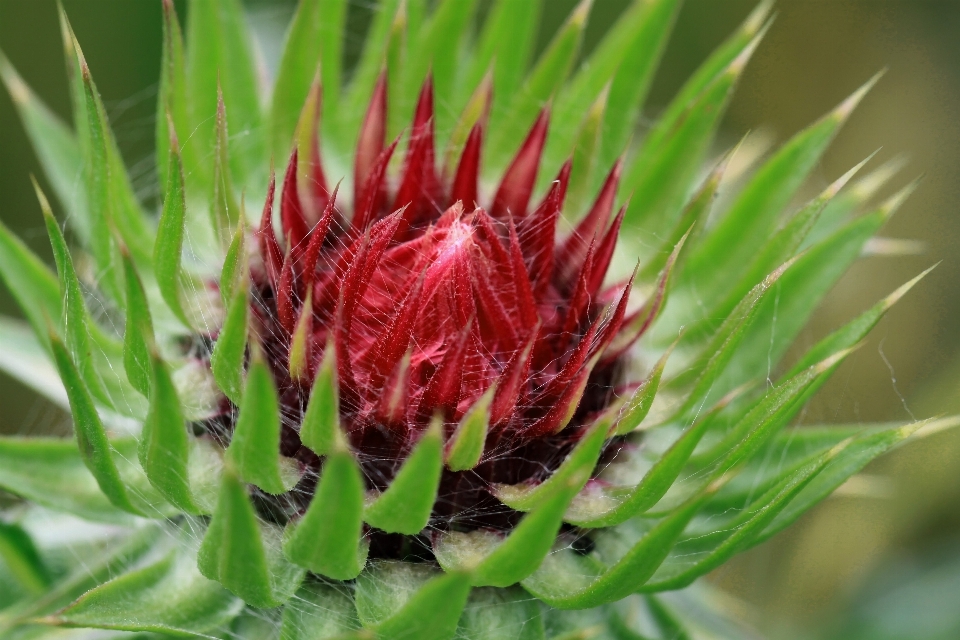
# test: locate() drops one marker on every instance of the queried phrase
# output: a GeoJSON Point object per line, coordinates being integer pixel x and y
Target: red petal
{"type": "Point", "coordinates": [513, 196]}
{"type": "Point", "coordinates": [571, 367]}
{"type": "Point", "coordinates": [291, 212]}
{"type": "Point", "coordinates": [605, 253]}
{"type": "Point", "coordinates": [612, 327]}
{"type": "Point", "coordinates": [462, 293]}
{"type": "Point", "coordinates": [562, 410]}
{"type": "Point", "coordinates": [317, 236]}
{"type": "Point", "coordinates": [393, 342]}
{"type": "Point", "coordinates": [355, 281]}
{"type": "Point", "coordinates": [366, 203]}
{"type": "Point", "coordinates": [580, 299]}
{"type": "Point", "coordinates": [392, 404]}
{"type": "Point", "coordinates": [468, 171]}
{"type": "Point", "coordinates": [571, 254]}
{"type": "Point", "coordinates": [638, 322]}
{"type": "Point", "coordinates": [538, 232]}
{"type": "Point", "coordinates": [373, 135]}
{"type": "Point", "coordinates": [493, 243]}
{"type": "Point", "coordinates": [492, 310]}
{"type": "Point", "coordinates": [443, 390]}
{"type": "Point", "coordinates": [349, 297]}
{"type": "Point", "coordinates": [513, 381]}
{"type": "Point", "coordinates": [269, 249]}
{"type": "Point", "coordinates": [285, 296]}
{"type": "Point", "coordinates": [521, 282]}
{"type": "Point", "coordinates": [419, 186]}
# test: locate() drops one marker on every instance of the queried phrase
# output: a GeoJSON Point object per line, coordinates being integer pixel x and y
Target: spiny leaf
{"type": "Point", "coordinates": [852, 459]}
{"type": "Point", "coordinates": [782, 245]}
{"type": "Point", "coordinates": [366, 73]}
{"type": "Point", "coordinates": [224, 210]}
{"type": "Point", "coordinates": [121, 552]}
{"type": "Point", "coordinates": [109, 186]}
{"type": "Point", "coordinates": [234, 269]}
{"type": "Point", "coordinates": [172, 109]}
{"type": "Point", "coordinates": [435, 51]}
{"type": "Point", "coordinates": [95, 449]}
{"type": "Point", "coordinates": [168, 247]}
{"type": "Point", "coordinates": [475, 112]}
{"type": "Point", "coordinates": [583, 458]}
{"type": "Point", "coordinates": [321, 422]}
{"type": "Point", "coordinates": [585, 150]}
{"type": "Point", "coordinates": [333, 15]}
{"type": "Point", "coordinates": [632, 570]}
{"type": "Point", "coordinates": [857, 329]}
{"type": "Point", "coordinates": [465, 446]}
{"type": "Point", "coordinates": [799, 292]}
{"type": "Point", "coordinates": [300, 358]}
{"type": "Point", "coordinates": [243, 555]}
{"type": "Point", "coordinates": [23, 561]}
{"type": "Point", "coordinates": [51, 472]}
{"type": "Point", "coordinates": [218, 40]}
{"type": "Point", "coordinates": [328, 538]}
{"type": "Point", "coordinates": [633, 76]}
{"type": "Point", "coordinates": [638, 406]}
{"type": "Point", "coordinates": [406, 505]}
{"type": "Point", "coordinates": [792, 448]}
{"type": "Point", "coordinates": [734, 46]}
{"type": "Point", "coordinates": [506, 42]}
{"type": "Point", "coordinates": [56, 147]}
{"type": "Point", "coordinates": [625, 59]}
{"type": "Point", "coordinates": [662, 175]}
{"type": "Point", "coordinates": [838, 211]}
{"type": "Point", "coordinates": [618, 507]}
{"type": "Point", "coordinates": [138, 337]}
{"type": "Point", "coordinates": [75, 319]}
{"type": "Point", "coordinates": [164, 443]}
{"type": "Point", "coordinates": [770, 413]}
{"type": "Point", "coordinates": [691, 221]}
{"type": "Point", "coordinates": [298, 67]}
{"type": "Point", "coordinates": [30, 282]}
{"type": "Point", "coordinates": [524, 549]}
{"type": "Point", "coordinates": [99, 202]}
{"type": "Point", "coordinates": [396, 50]}
{"type": "Point", "coordinates": [255, 444]}
{"type": "Point", "coordinates": [230, 349]}
{"type": "Point", "coordinates": [168, 597]}
{"type": "Point", "coordinates": [540, 86]}
{"type": "Point", "coordinates": [750, 218]}
{"type": "Point", "coordinates": [723, 345]}
{"type": "Point", "coordinates": [755, 519]}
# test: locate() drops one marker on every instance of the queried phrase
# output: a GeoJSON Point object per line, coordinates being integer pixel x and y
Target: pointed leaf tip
{"type": "Point", "coordinates": [406, 505]}
{"type": "Point", "coordinates": [845, 108]}
{"type": "Point", "coordinates": [902, 290]}
{"type": "Point", "coordinates": [465, 447]}
{"type": "Point", "coordinates": [255, 444]}
{"type": "Point", "coordinates": [328, 538]}
{"type": "Point", "coordinates": [320, 428]}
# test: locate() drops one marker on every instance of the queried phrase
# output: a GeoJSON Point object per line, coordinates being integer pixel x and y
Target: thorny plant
{"type": "Point", "coordinates": [420, 395]}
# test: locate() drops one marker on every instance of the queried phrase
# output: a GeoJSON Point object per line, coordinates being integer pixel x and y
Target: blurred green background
{"type": "Point", "coordinates": [882, 558]}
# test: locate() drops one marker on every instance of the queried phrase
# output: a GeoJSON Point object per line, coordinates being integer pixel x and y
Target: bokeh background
{"type": "Point", "coordinates": [879, 560]}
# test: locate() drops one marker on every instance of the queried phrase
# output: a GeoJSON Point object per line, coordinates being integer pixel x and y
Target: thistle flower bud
{"type": "Point", "coordinates": [428, 400]}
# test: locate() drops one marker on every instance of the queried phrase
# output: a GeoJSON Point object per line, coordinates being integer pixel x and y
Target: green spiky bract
{"type": "Point", "coordinates": [176, 541]}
